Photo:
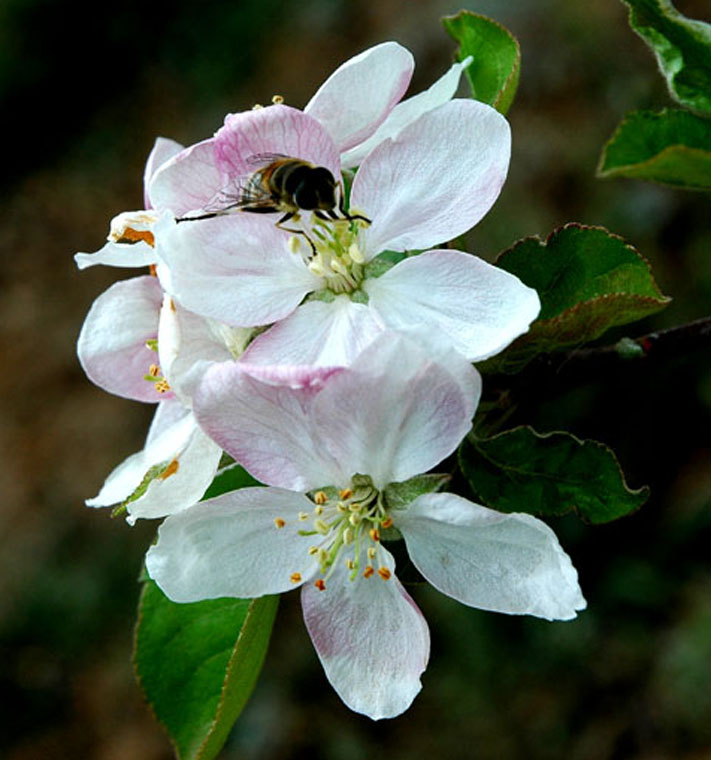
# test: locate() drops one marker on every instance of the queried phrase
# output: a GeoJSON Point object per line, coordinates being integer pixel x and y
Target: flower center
{"type": "Point", "coordinates": [332, 249]}
{"type": "Point", "coordinates": [349, 523]}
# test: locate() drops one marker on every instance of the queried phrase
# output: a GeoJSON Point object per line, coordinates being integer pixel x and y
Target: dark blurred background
{"type": "Point", "coordinates": [83, 97]}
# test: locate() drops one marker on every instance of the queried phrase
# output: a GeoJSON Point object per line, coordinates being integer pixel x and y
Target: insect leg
{"type": "Point", "coordinates": [286, 218]}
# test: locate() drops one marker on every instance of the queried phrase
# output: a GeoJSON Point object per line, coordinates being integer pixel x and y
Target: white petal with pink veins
{"type": "Point", "coordinates": [436, 179]}
{"type": "Point", "coordinates": [406, 112]}
{"type": "Point", "coordinates": [317, 333]}
{"type": "Point", "coordinates": [231, 546]}
{"type": "Point", "coordinates": [235, 268]}
{"type": "Point", "coordinates": [163, 150]}
{"type": "Point", "coordinates": [479, 307]}
{"type": "Point", "coordinates": [112, 343]}
{"type": "Point", "coordinates": [371, 638]}
{"type": "Point", "coordinates": [272, 130]}
{"type": "Point", "coordinates": [361, 92]}
{"type": "Point", "coordinates": [509, 563]}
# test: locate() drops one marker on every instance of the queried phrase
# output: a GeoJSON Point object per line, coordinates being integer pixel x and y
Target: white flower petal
{"type": "Point", "coordinates": [138, 254]}
{"type": "Point", "coordinates": [112, 343]}
{"type": "Point", "coordinates": [508, 563]}
{"type": "Point", "coordinates": [230, 546]}
{"type": "Point", "coordinates": [361, 92]}
{"type": "Point", "coordinates": [406, 112]}
{"type": "Point", "coordinates": [394, 414]}
{"type": "Point", "coordinates": [479, 307]}
{"type": "Point", "coordinates": [436, 179]}
{"type": "Point", "coordinates": [235, 268]}
{"type": "Point", "coordinates": [163, 150]}
{"type": "Point", "coordinates": [265, 426]}
{"type": "Point", "coordinates": [318, 334]}
{"type": "Point", "coordinates": [371, 638]}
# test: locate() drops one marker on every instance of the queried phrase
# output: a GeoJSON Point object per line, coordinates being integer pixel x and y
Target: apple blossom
{"type": "Point", "coordinates": [340, 451]}
{"type": "Point", "coordinates": [432, 182]}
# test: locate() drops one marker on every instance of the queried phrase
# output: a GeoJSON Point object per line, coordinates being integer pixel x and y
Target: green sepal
{"type": "Point", "coordinates": [588, 280]}
{"type": "Point", "coordinates": [198, 664]}
{"type": "Point", "coordinates": [229, 478]}
{"type": "Point", "coordinates": [325, 295]}
{"type": "Point", "coordinates": [494, 72]}
{"type": "Point", "coordinates": [672, 147]}
{"type": "Point", "coordinates": [682, 47]}
{"type": "Point", "coordinates": [550, 474]}
{"type": "Point", "coordinates": [401, 495]}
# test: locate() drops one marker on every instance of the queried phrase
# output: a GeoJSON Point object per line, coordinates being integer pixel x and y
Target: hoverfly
{"type": "Point", "coordinates": [283, 185]}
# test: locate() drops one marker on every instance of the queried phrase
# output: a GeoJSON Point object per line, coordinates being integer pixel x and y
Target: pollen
{"type": "Point", "coordinates": [346, 493]}
{"type": "Point", "coordinates": [279, 522]}
{"type": "Point", "coordinates": [320, 497]}
{"type": "Point", "coordinates": [129, 235]}
{"type": "Point", "coordinates": [320, 584]}
{"type": "Point", "coordinates": [277, 99]}
{"type": "Point", "coordinates": [374, 534]}
{"type": "Point", "coordinates": [154, 370]}
{"type": "Point", "coordinates": [387, 523]}
{"type": "Point", "coordinates": [295, 577]}
{"type": "Point", "coordinates": [162, 386]}
{"type": "Point", "coordinates": [369, 570]}
{"type": "Point", "coordinates": [171, 469]}
{"type": "Point", "coordinates": [384, 573]}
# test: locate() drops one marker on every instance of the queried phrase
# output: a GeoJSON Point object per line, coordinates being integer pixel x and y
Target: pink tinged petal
{"type": "Point", "coordinates": [406, 112]}
{"type": "Point", "coordinates": [508, 563]}
{"type": "Point", "coordinates": [166, 432]}
{"type": "Point", "coordinates": [318, 334]}
{"type": "Point", "coordinates": [264, 423]}
{"type": "Point", "coordinates": [230, 546]}
{"type": "Point", "coordinates": [163, 150]}
{"type": "Point", "coordinates": [394, 414]}
{"type": "Point", "coordinates": [112, 343]}
{"type": "Point", "coordinates": [138, 254]}
{"type": "Point", "coordinates": [371, 638]}
{"type": "Point", "coordinates": [436, 179]}
{"type": "Point", "coordinates": [276, 129]}
{"type": "Point", "coordinates": [187, 345]}
{"type": "Point", "coordinates": [236, 269]}
{"type": "Point", "coordinates": [188, 473]}
{"type": "Point", "coordinates": [479, 307]}
{"type": "Point", "coordinates": [361, 92]}
{"type": "Point", "coordinates": [186, 182]}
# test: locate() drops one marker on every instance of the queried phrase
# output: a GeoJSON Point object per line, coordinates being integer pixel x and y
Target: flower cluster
{"type": "Point", "coordinates": [299, 317]}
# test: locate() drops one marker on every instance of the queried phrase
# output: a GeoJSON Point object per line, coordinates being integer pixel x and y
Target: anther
{"type": "Point", "coordinates": [171, 469]}
{"type": "Point", "coordinates": [152, 344]}
{"type": "Point", "coordinates": [154, 370]}
{"type": "Point", "coordinates": [369, 570]}
{"type": "Point", "coordinates": [162, 386]}
{"type": "Point", "coordinates": [387, 522]}
{"type": "Point", "coordinates": [348, 536]}
{"type": "Point", "coordinates": [313, 550]}
{"type": "Point", "coordinates": [355, 520]}
{"type": "Point", "coordinates": [303, 516]}
{"type": "Point", "coordinates": [295, 577]}
{"type": "Point", "coordinates": [279, 522]}
{"type": "Point", "coordinates": [350, 564]}
{"type": "Point", "coordinates": [346, 493]}
{"type": "Point", "coordinates": [341, 507]}
{"type": "Point", "coordinates": [320, 584]}
{"type": "Point", "coordinates": [384, 573]}
{"type": "Point", "coordinates": [321, 527]}
{"type": "Point", "coordinates": [320, 497]}
{"type": "Point", "coordinates": [371, 552]}
{"type": "Point", "coordinates": [374, 534]}
{"type": "Point", "coordinates": [277, 99]}
{"type": "Point", "coordinates": [257, 107]}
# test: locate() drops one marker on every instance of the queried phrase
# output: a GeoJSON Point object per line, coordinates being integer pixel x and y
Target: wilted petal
{"type": "Point", "coordinates": [361, 92]}
{"type": "Point", "coordinates": [509, 563]}
{"type": "Point", "coordinates": [231, 546]}
{"type": "Point", "coordinates": [272, 130]}
{"type": "Point", "coordinates": [264, 423]}
{"type": "Point", "coordinates": [317, 333]}
{"type": "Point", "coordinates": [406, 112]}
{"type": "Point", "coordinates": [436, 179]}
{"type": "Point", "coordinates": [112, 343]}
{"type": "Point", "coordinates": [235, 268]}
{"type": "Point", "coordinates": [394, 414]}
{"type": "Point", "coordinates": [479, 307]}
{"type": "Point", "coordinates": [371, 638]}
{"type": "Point", "coordinates": [163, 150]}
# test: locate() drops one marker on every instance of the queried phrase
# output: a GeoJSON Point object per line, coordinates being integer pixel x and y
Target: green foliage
{"type": "Point", "coordinates": [682, 47]}
{"type": "Point", "coordinates": [588, 280]}
{"type": "Point", "coordinates": [672, 147]}
{"type": "Point", "coordinates": [230, 479]}
{"type": "Point", "coordinates": [520, 470]}
{"type": "Point", "coordinates": [494, 72]}
{"type": "Point", "coordinates": [400, 495]}
{"type": "Point", "coordinates": [198, 664]}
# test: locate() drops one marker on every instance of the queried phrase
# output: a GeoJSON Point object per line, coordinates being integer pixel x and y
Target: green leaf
{"type": "Point", "coordinates": [229, 478]}
{"type": "Point", "coordinates": [494, 72]}
{"type": "Point", "coordinates": [400, 495]}
{"type": "Point", "coordinates": [198, 664]}
{"type": "Point", "coordinates": [520, 470]}
{"type": "Point", "coordinates": [588, 280]}
{"type": "Point", "coordinates": [672, 147]}
{"type": "Point", "coordinates": [682, 47]}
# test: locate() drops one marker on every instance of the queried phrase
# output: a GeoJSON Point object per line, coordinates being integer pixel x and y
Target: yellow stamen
{"type": "Point", "coordinates": [295, 577]}
{"type": "Point", "coordinates": [321, 527]}
{"type": "Point", "coordinates": [387, 522]}
{"type": "Point", "coordinates": [279, 522]}
{"type": "Point", "coordinates": [154, 370]}
{"type": "Point", "coordinates": [374, 534]}
{"type": "Point", "coordinates": [171, 469]}
{"type": "Point", "coordinates": [129, 235]}
{"type": "Point", "coordinates": [313, 550]}
{"type": "Point", "coordinates": [371, 552]}
{"type": "Point", "coordinates": [320, 584]}
{"type": "Point", "coordinates": [318, 509]}
{"type": "Point", "coordinates": [369, 570]}
{"type": "Point", "coordinates": [277, 99]}
{"type": "Point", "coordinates": [320, 497]}
{"type": "Point", "coordinates": [346, 493]}
{"type": "Point", "coordinates": [162, 386]}
{"type": "Point", "coordinates": [384, 573]}
{"type": "Point", "coordinates": [303, 516]}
